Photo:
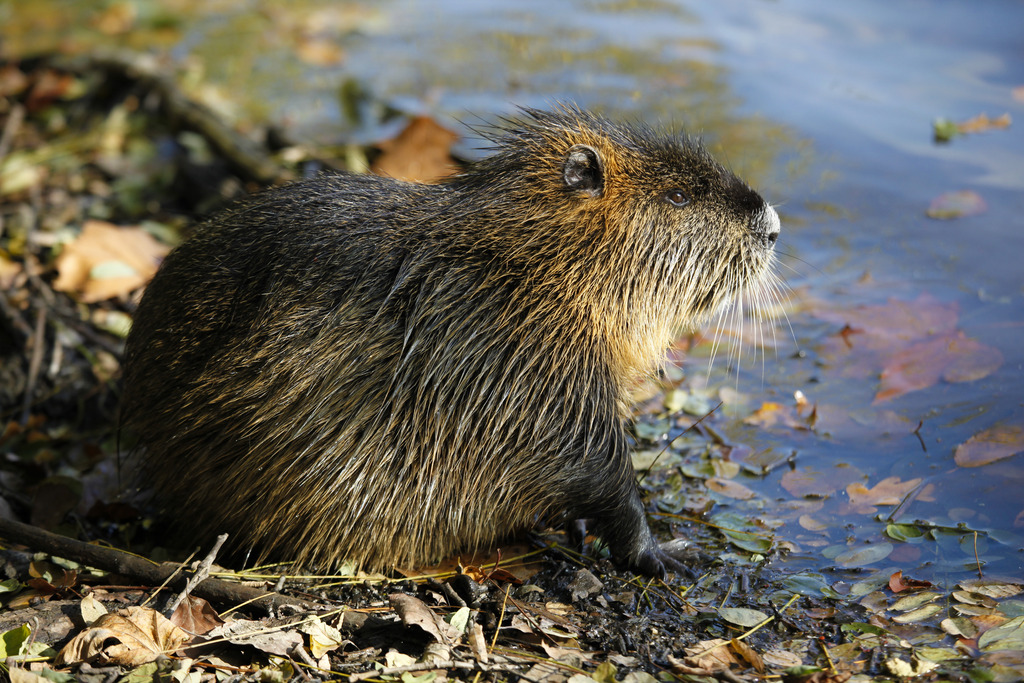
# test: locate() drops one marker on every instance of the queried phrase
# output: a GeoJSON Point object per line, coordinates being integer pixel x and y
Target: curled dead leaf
{"type": "Point", "coordinates": [414, 612]}
{"type": "Point", "coordinates": [196, 616]}
{"type": "Point", "coordinates": [131, 637]}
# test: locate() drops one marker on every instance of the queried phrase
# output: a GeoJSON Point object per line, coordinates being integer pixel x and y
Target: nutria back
{"type": "Point", "coordinates": [357, 368]}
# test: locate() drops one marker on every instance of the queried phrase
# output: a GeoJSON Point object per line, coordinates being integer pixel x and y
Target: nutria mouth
{"type": "Point", "coordinates": [356, 368]}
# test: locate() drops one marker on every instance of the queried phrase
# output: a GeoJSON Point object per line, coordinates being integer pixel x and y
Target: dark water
{"type": "Point", "coordinates": [827, 108]}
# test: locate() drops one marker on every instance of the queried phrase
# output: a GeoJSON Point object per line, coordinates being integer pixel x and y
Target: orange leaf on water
{"type": "Point", "coordinates": [889, 491]}
{"type": "Point", "coordinates": [996, 443]}
{"type": "Point", "coordinates": [953, 357]}
{"type": "Point", "coordinates": [898, 584]}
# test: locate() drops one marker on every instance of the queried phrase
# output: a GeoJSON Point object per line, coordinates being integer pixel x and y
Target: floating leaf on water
{"type": "Point", "coordinates": [729, 489]}
{"type": "Point", "coordinates": [920, 614]}
{"type": "Point", "coordinates": [995, 443]}
{"type": "Point", "coordinates": [914, 601]}
{"type": "Point", "coordinates": [889, 491]}
{"type": "Point", "coordinates": [1008, 636]}
{"type": "Point", "coordinates": [868, 585]}
{"type": "Point", "coordinates": [862, 627]}
{"type": "Point", "coordinates": [959, 626]}
{"type": "Point", "coordinates": [860, 557]}
{"type": "Point", "coordinates": [804, 481]}
{"type": "Point", "coordinates": [899, 583]}
{"type": "Point", "coordinates": [893, 320]}
{"type": "Point", "coordinates": [903, 532]}
{"type": "Point", "coordinates": [750, 542]}
{"type": "Point", "coordinates": [808, 583]}
{"type": "Point", "coordinates": [953, 357]}
{"type": "Point", "coordinates": [811, 524]}
{"type": "Point", "coordinates": [937, 654]}
{"type": "Point", "coordinates": [992, 588]}
{"type": "Point", "coordinates": [772, 414]}
{"type": "Point", "coordinates": [970, 598]}
{"type": "Point", "coordinates": [956, 205]}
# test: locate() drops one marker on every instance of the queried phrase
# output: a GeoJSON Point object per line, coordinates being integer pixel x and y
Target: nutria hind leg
{"type": "Point", "coordinates": [632, 544]}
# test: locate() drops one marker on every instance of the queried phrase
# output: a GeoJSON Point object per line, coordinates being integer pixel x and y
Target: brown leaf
{"type": "Point", "coordinates": [421, 153]}
{"type": "Point", "coordinates": [729, 488]}
{"type": "Point", "coordinates": [748, 654]}
{"type": "Point", "coordinates": [705, 658]}
{"type": "Point", "coordinates": [106, 261]}
{"type": "Point", "coordinates": [953, 357]}
{"type": "Point", "coordinates": [414, 612]}
{"type": "Point", "coordinates": [772, 414]}
{"type": "Point", "coordinates": [805, 481]}
{"type": "Point", "coordinates": [132, 637]}
{"type": "Point", "coordinates": [898, 584]}
{"type": "Point", "coordinates": [196, 616]}
{"type": "Point", "coordinates": [882, 324]}
{"type": "Point", "coordinates": [996, 443]}
{"type": "Point", "coordinates": [889, 491]}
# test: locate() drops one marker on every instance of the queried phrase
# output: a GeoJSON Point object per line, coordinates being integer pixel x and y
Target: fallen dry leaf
{"type": "Point", "coordinates": [705, 658]}
{"type": "Point", "coordinates": [272, 640]}
{"type": "Point", "coordinates": [106, 261]}
{"type": "Point", "coordinates": [414, 612]}
{"type": "Point", "coordinates": [196, 616]}
{"type": "Point", "coordinates": [748, 654]}
{"type": "Point", "coordinates": [996, 443]}
{"type": "Point", "coordinates": [323, 638]}
{"type": "Point", "coordinates": [131, 637]}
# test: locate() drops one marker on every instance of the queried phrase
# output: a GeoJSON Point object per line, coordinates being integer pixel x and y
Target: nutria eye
{"type": "Point", "coordinates": [677, 198]}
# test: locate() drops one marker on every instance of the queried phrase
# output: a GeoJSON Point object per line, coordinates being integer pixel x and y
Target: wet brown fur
{"type": "Point", "coordinates": [356, 368]}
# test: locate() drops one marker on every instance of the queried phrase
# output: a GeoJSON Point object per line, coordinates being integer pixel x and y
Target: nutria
{"type": "Point", "coordinates": [357, 368]}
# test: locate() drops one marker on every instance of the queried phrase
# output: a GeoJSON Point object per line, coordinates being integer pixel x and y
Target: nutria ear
{"type": "Point", "coordinates": [582, 170]}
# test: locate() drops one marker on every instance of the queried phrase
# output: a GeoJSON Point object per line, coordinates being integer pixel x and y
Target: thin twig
{"type": "Point", "coordinates": [35, 364]}
{"type": "Point", "coordinates": [202, 571]}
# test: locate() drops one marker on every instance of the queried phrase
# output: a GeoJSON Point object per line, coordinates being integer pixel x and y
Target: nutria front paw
{"type": "Point", "coordinates": [658, 560]}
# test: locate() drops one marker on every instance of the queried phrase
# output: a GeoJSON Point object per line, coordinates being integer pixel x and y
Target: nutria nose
{"type": "Point", "coordinates": [767, 225]}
